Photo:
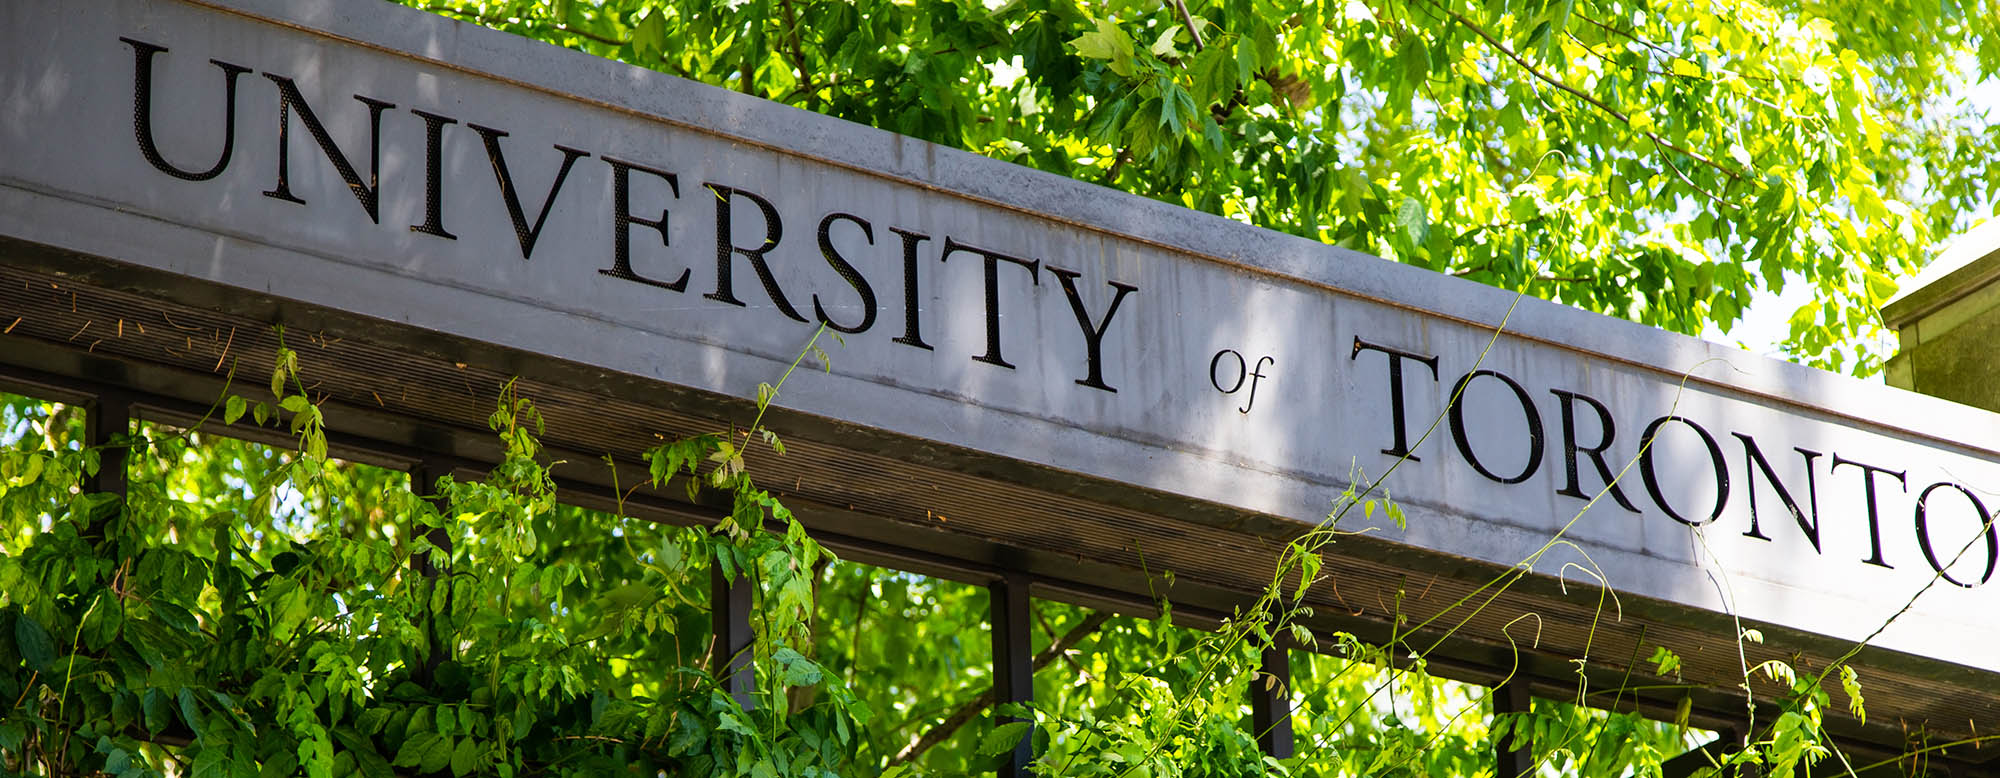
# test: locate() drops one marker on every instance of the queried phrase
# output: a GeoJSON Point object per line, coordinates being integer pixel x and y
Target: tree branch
{"type": "Point", "coordinates": [488, 21]}
{"type": "Point", "coordinates": [959, 718]}
{"type": "Point", "coordinates": [1544, 77]}
{"type": "Point", "coordinates": [1047, 629]}
{"type": "Point", "coordinates": [581, 33]}
{"type": "Point", "coordinates": [1187, 19]}
{"type": "Point", "coordinates": [1111, 174]}
{"type": "Point", "coordinates": [798, 52]}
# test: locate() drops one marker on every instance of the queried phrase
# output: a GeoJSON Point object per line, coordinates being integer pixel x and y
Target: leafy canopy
{"type": "Point", "coordinates": [1662, 162]}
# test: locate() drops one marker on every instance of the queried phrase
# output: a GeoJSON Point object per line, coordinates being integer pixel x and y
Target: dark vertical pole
{"type": "Point", "coordinates": [1013, 662]}
{"type": "Point", "coordinates": [106, 418]}
{"type": "Point", "coordinates": [423, 483]}
{"type": "Point", "coordinates": [1270, 702]}
{"type": "Point", "coordinates": [729, 606]}
{"type": "Point", "coordinates": [1511, 697]}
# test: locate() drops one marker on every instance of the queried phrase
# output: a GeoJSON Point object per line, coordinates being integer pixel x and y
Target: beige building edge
{"type": "Point", "coordinates": [1947, 322]}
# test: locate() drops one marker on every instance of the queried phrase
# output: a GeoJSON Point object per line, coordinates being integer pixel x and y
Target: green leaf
{"type": "Point", "coordinates": [233, 409]}
{"type": "Point", "coordinates": [464, 757]}
{"type": "Point", "coordinates": [1413, 221]}
{"type": "Point", "coordinates": [1309, 565]}
{"type": "Point", "coordinates": [1880, 286]}
{"type": "Point", "coordinates": [1003, 738]}
{"type": "Point", "coordinates": [1416, 60]}
{"type": "Point", "coordinates": [798, 670]}
{"type": "Point", "coordinates": [649, 39]}
{"type": "Point", "coordinates": [212, 762]}
{"type": "Point", "coordinates": [1214, 76]}
{"type": "Point", "coordinates": [1537, 40]}
{"type": "Point", "coordinates": [11, 736]}
{"type": "Point", "coordinates": [101, 620]}
{"type": "Point", "coordinates": [1850, 682]}
{"type": "Point", "coordinates": [119, 761]}
{"type": "Point", "coordinates": [1665, 661]}
{"type": "Point", "coordinates": [190, 712]}
{"type": "Point", "coordinates": [1098, 43]}
{"type": "Point", "coordinates": [176, 616]}
{"type": "Point", "coordinates": [1246, 63]}
{"type": "Point", "coordinates": [1170, 118]}
{"type": "Point", "coordinates": [285, 764]}
{"type": "Point", "coordinates": [728, 722]}
{"type": "Point", "coordinates": [689, 732]}
{"type": "Point", "coordinates": [295, 403]}
{"type": "Point", "coordinates": [1107, 42]}
{"type": "Point", "coordinates": [157, 710]}
{"type": "Point", "coordinates": [32, 470]}
{"type": "Point", "coordinates": [37, 648]}
{"type": "Point", "coordinates": [415, 748]}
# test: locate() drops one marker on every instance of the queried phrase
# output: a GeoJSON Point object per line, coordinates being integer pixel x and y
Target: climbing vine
{"type": "Point", "coordinates": [244, 610]}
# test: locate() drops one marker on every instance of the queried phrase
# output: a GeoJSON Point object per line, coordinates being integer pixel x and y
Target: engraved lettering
{"type": "Point", "coordinates": [1572, 484]}
{"type": "Point", "coordinates": [1401, 447]}
{"type": "Point", "coordinates": [1753, 463]}
{"type": "Point", "coordinates": [726, 249]}
{"type": "Point", "coordinates": [993, 260]}
{"type": "Point", "coordinates": [1093, 334]}
{"type": "Point", "coordinates": [367, 192]}
{"type": "Point", "coordinates": [433, 183]}
{"type": "Point", "coordinates": [847, 272]}
{"type": "Point", "coordinates": [913, 334]}
{"type": "Point", "coordinates": [1985, 529]}
{"type": "Point", "coordinates": [1868, 473]}
{"type": "Point", "coordinates": [142, 112]}
{"type": "Point", "coordinates": [1647, 446]}
{"type": "Point", "coordinates": [622, 221]}
{"type": "Point", "coordinates": [1457, 418]}
{"type": "Point", "coordinates": [522, 232]}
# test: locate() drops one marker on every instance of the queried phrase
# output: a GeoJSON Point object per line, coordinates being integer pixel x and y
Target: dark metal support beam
{"type": "Point", "coordinates": [423, 483]}
{"type": "Point", "coordinates": [1270, 701]}
{"type": "Point", "coordinates": [730, 603]}
{"type": "Point", "coordinates": [1013, 663]}
{"type": "Point", "coordinates": [106, 418]}
{"type": "Point", "coordinates": [1511, 698]}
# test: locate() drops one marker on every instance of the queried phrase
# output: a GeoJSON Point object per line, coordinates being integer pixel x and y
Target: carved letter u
{"type": "Point", "coordinates": [142, 112]}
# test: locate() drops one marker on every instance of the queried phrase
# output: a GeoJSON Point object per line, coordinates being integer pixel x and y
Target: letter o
{"type": "Point", "coordinates": [1652, 478]}
{"type": "Point", "coordinates": [1985, 523]}
{"type": "Point", "coordinates": [1242, 371]}
{"type": "Point", "coordinates": [1457, 414]}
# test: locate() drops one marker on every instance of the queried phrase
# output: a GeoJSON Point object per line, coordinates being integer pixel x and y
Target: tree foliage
{"type": "Point", "coordinates": [249, 611]}
{"type": "Point", "coordinates": [1662, 162]}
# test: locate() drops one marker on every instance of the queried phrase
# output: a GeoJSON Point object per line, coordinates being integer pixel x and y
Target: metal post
{"type": "Point", "coordinates": [1270, 703]}
{"type": "Point", "coordinates": [109, 416]}
{"type": "Point", "coordinates": [1509, 698]}
{"type": "Point", "coordinates": [730, 604]}
{"type": "Point", "coordinates": [1013, 662]}
{"type": "Point", "coordinates": [423, 483]}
